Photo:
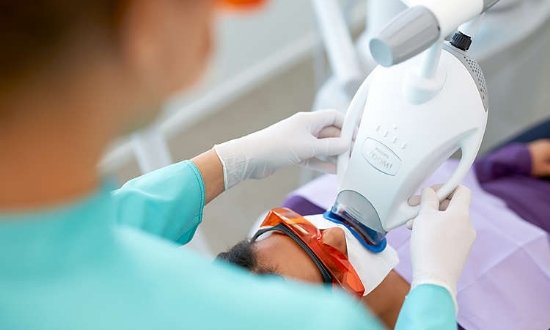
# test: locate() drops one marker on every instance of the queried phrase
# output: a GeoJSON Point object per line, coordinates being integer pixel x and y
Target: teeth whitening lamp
{"type": "Point", "coordinates": [425, 101]}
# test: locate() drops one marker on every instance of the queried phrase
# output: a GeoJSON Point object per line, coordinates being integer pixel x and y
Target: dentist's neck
{"type": "Point", "coordinates": [52, 135]}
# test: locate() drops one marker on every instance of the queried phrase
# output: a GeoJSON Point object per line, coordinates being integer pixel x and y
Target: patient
{"type": "Point", "coordinates": [506, 282]}
{"type": "Point", "coordinates": [277, 252]}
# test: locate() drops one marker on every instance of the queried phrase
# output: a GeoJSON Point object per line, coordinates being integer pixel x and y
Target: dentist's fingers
{"type": "Point", "coordinates": [415, 200]}
{"type": "Point", "coordinates": [329, 132]}
{"type": "Point", "coordinates": [330, 146]}
{"type": "Point", "coordinates": [444, 205]}
{"type": "Point", "coordinates": [429, 200]}
{"type": "Point", "coordinates": [320, 165]}
{"type": "Point", "coordinates": [461, 198]}
{"type": "Point", "coordinates": [325, 118]}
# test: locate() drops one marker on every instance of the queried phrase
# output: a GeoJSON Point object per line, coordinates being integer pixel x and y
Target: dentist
{"type": "Point", "coordinates": [76, 254]}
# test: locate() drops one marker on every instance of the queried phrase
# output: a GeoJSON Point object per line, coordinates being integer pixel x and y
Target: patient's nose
{"type": "Point", "coordinates": [336, 238]}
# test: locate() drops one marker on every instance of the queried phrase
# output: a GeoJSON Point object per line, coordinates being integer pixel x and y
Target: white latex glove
{"type": "Point", "coordinates": [310, 139]}
{"type": "Point", "coordinates": [441, 240]}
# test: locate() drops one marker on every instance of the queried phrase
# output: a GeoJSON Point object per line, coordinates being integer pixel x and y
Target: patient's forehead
{"type": "Point", "coordinates": [282, 255]}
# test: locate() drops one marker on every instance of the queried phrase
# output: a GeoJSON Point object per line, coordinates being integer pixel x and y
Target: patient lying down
{"type": "Point", "coordinates": [276, 249]}
{"type": "Point", "coordinates": [505, 282]}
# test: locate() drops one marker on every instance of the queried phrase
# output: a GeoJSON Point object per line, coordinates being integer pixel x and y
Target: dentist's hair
{"type": "Point", "coordinates": [34, 32]}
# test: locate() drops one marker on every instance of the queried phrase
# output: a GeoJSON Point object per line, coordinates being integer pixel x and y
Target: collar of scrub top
{"type": "Point", "coordinates": [325, 274]}
{"type": "Point", "coordinates": [375, 248]}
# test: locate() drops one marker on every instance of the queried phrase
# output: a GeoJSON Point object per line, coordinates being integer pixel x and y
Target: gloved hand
{"type": "Point", "coordinates": [302, 139]}
{"type": "Point", "coordinates": [441, 240]}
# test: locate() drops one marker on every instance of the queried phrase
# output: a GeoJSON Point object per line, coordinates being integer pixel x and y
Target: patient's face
{"type": "Point", "coordinates": [282, 255]}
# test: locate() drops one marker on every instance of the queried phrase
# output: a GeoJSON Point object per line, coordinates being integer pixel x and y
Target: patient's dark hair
{"type": "Point", "coordinates": [244, 255]}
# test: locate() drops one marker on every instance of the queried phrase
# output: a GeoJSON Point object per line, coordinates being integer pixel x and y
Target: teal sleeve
{"type": "Point", "coordinates": [427, 307]}
{"type": "Point", "coordinates": [167, 202]}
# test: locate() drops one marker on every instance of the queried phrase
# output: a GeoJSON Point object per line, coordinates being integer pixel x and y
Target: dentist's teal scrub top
{"type": "Point", "coordinates": [110, 261]}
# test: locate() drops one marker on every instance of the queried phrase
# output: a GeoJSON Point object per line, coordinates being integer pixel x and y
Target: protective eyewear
{"type": "Point", "coordinates": [333, 265]}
